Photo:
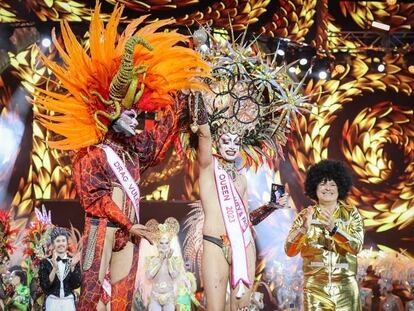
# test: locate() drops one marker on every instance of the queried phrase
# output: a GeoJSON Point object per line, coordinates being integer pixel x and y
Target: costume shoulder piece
{"type": "Point", "coordinates": [140, 70]}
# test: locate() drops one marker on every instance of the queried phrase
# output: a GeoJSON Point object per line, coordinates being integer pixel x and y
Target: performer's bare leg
{"type": "Point", "coordinates": [154, 306]}
{"type": "Point", "coordinates": [123, 271]}
{"type": "Point", "coordinates": [121, 263]}
{"type": "Point", "coordinates": [169, 307]}
{"type": "Point", "coordinates": [106, 258]}
{"type": "Point", "coordinates": [244, 301]}
{"type": "Point", "coordinates": [215, 271]}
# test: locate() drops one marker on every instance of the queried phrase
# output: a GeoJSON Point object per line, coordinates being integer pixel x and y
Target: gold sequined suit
{"type": "Point", "coordinates": [329, 262]}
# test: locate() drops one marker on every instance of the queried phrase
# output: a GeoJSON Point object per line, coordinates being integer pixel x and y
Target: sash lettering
{"type": "Point", "coordinates": [124, 177]}
{"type": "Point", "coordinates": [237, 227]}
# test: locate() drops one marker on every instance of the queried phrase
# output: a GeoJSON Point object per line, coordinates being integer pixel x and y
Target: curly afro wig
{"type": "Point", "coordinates": [328, 170]}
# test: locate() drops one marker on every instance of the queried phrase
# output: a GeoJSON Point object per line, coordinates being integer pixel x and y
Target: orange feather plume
{"type": "Point", "coordinates": [170, 67]}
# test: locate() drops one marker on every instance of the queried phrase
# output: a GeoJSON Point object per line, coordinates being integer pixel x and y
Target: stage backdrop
{"type": "Point", "coordinates": [363, 117]}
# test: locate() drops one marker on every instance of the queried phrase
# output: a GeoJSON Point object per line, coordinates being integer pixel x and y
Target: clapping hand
{"type": "Point", "coordinates": [327, 220]}
{"type": "Point", "coordinates": [170, 253]}
{"type": "Point", "coordinates": [307, 217]}
{"type": "Point", "coordinates": [75, 260]}
{"type": "Point", "coordinates": [54, 260]}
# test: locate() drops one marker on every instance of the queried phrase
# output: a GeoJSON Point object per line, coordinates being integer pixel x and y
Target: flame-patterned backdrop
{"type": "Point", "coordinates": [361, 116]}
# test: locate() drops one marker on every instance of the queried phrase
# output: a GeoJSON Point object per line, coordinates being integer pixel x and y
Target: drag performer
{"type": "Point", "coordinates": [238, 115]}
{"type": "Point", "coordinates": [60, 274]}
{"type": "Point", "coordinates": [163, 269]}
{"type": "Point", "coordinates": [328, 235]}
{"type": "Point", "coordinates": [104, 89]}
{"type": "Point", "coordinates": [217, 252]}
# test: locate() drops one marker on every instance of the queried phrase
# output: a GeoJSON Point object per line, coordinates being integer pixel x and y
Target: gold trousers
{"type": "Point", "coordinates": [321, 295]}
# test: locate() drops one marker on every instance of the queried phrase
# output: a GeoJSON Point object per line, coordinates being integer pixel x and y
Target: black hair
{"type": "Point", "coordinates": [15, 268]}
{"type": "Point", "coordinates": [328, 170]}
{"type": "Point", "coordinates": [22, 276]}
{"type": "Point", "coordinates": [59, 231]}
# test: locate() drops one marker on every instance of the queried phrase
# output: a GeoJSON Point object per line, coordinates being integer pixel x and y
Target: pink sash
{"type": "Point", "coordinates": [124, 177]}
{"type": "Point", "coordinates": [237, 227]}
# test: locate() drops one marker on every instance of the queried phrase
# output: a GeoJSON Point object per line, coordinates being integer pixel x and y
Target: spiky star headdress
{"type": "Point", "coordinates": [249, 95]}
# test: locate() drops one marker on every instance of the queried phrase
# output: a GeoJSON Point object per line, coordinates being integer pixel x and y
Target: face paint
{"type": "Point", "coordinates": [164, 244]}
{"type": "Point", "coordinates": [229, 146]}
{"type": "Point", "coordinates": [126, 123]}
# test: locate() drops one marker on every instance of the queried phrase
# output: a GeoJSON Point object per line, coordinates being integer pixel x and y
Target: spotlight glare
{"type": "Point", "coordinates": [381, 67]}
{"type": "Point", "coordinates": [322, 75]}
{"type": "Point", "coordinates": [292, 69]}
{"type": "Point", "coordinates": [46, 42]}
{"type": "Point", "coordinates": [303, 61]}
{"type": "Point", "coordinates": [9, 145]}
{"type": "Point", "coordinates": [280, 52]}
{"type": "Point", "coordinates": [411, 69]}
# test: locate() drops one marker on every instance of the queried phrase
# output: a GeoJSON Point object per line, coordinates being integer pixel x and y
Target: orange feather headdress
{"type": "Point", "coordinates": [139, 70]}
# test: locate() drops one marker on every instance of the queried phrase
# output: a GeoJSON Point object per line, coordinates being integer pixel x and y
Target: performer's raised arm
{"type": "Point", "coordinates": [200, 124]}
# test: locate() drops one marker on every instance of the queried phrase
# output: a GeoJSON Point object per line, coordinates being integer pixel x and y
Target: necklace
{"type": "Point", "coordinates": [230, 168]}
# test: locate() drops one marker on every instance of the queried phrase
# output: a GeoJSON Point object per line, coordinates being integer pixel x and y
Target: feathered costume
{"type": "Point", "coordinates": [138, 70]}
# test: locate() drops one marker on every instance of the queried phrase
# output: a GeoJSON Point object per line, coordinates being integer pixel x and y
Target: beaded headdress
{"type": "Point", "coordinates": [168, 229]}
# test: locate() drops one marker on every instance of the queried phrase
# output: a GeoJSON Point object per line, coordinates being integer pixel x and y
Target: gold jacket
{"type": "Point", "coordinates": [325, 257]}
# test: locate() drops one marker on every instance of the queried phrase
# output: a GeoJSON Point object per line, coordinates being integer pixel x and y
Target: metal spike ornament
{"type": "Point", "coordinates": [249, 94]}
